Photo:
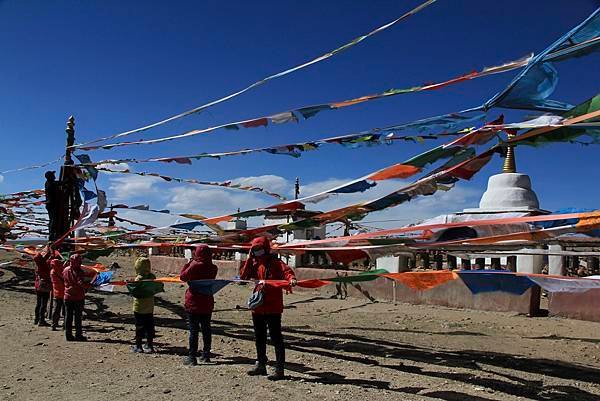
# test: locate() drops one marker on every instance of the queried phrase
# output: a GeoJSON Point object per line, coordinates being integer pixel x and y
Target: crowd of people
{"type": "Point", "coordinates": [68, 282]}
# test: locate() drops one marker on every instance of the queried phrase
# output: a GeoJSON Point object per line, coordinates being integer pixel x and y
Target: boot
{"type": "Point", "coordinates": [205, 358]}
{"type": "Point", "coordinates": [190, 361]}
{"type": "Point", "coordinates": [69, 337]}
{"type": "Point", "coordinates": [259, 369]}
{"type": "Point", "coordinates": [137, 348]}
{"type": "Point", "coordinates": [149, 348]}
{"type": "Point", "coordinates": [278, 374]}
{"type": "Point", "coordinates": [43, 323]}
{"type": "Point", "coordinates": [80, 337]}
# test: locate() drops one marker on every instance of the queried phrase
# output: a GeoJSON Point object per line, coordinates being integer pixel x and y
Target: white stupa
{"type": "Point", "coordinates": [508, 192]}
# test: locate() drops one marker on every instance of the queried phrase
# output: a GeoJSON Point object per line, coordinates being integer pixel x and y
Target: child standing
{"type": "Point", "coordinates": [199, 307]}
{"type": "Point", "coordinates": [58, 289]}
{"type": "Point", "coordinates": [143, 304]}
{"type": "Point", "coordinates": [43, 285]}
{"type": "Point", "coordinates": [263, 265]}
{"type": "Point", "coordinates": [74, 296]}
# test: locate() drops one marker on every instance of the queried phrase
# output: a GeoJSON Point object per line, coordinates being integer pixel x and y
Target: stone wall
{"type": "Point", "coordinates": [451, 294]}
{"type": "Point", "coordinates": [582, 306]}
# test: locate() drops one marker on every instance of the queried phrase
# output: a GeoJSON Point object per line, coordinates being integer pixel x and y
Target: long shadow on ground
{"type": "Point", "coordinates": [463, 366]}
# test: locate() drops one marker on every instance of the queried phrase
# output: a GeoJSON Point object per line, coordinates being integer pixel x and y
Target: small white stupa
{"type": "Point", "coordinates": [508, 192]}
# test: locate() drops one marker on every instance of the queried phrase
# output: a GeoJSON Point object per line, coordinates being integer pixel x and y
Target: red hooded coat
{"type": "Point", "coordinates": [74, 278]}
{"type": "Point", "coordinates": [56, 275]}
{"type": "Point", "coordinates": [256, 268]}
{"type": "Point", "coordinates": [200, 267]}
{"type": "Point", "coordinates": [42, 272]}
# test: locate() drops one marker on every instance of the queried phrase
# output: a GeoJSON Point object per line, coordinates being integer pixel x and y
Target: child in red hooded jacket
{"type": "Point", "coordinates": [199, 307]}
{"type": "Point", "coordinates": [76, 286]}
{"type": "Point", "coordinates": [262, 265]}
{"type": "Point", "coordinates": [43, 285]}
{"type": "Point", "coordinates": [58, 289]}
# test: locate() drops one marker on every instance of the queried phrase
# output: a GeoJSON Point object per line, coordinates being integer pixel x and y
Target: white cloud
{"type": "Point", "coordinates": [217, 201]}
{"type": "Point", "coordinates": [271, 183]}
{"type": "Point", "coordinates": [455, 200]}
{"type": "Point", "coordinates": [1, 178]}
{"type": "Point", "coordinates": [124, 187]}
{"type": "Point", "coordinates": [320, 186]}
{"type": "Point", "coordinates": [211, 202]}
{"type": "Point", "coordinates": [152, 218]}
{"type": "Point", "coordinates": [421, 208]}
{"type": "Point", "coordinates": [114, 166]}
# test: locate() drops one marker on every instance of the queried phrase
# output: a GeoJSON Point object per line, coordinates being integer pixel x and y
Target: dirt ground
{"type": "Point", "coordinates": [337, 350]}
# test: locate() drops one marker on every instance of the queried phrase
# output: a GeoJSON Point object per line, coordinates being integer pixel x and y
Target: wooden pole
{"type": "Point", "coordinates": [68, 209]}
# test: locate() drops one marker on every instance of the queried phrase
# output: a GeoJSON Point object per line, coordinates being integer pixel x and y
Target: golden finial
{"type": "Point", "coordinates": [510, 164]}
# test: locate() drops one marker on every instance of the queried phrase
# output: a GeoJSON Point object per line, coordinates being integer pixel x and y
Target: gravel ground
{"type": "Point", "coordinates": [337, 350]}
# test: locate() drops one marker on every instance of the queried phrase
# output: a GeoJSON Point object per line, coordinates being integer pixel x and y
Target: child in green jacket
{"type": "Point", "coordinates": [143, 304]}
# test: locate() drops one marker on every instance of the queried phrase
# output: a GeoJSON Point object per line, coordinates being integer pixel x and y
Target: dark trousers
{"type": "Point", "coordinates": [144, 327]}
{"type": "Point", "coordinates": [195, 323]}
{"type": "Point", "coordinates": [74, 311]}
{"type": "Point", "coordinates": [58, 307]}
{"type": "Point", "coordinates": [40, 305]}
{"type": "Point", "coordinates": [273, 322]}
{"type": "Point", "coordinates": [52, 220]}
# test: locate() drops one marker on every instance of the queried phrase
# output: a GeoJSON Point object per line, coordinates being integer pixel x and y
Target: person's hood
{"type": "Point", "coordinates": [142, 266]}
{"type": "Point", "coordinates": [202, 253]}
{"type": "Point", "coordinates": [75, 262]}
{"type": "Point", "coordinates": [57, 265]}
{"type": "Point", "coordinates": [262, 243]}
{"type": "Point", "coordinates": [38, 257]}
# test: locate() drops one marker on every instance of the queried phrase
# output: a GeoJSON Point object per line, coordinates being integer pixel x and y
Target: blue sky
{"type": "Point", "coordinates": [118, 65]}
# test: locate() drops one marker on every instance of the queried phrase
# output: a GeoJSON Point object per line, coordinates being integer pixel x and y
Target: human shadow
{"type": "Point", "coordinates": [364, 350]}
{"type": "Point", "coordinates": [22, 280]}
{"type": "Point", "coordinates": [454, 396]}
{"type": "Point", "coordinates": [307, 301]}
{"type": "Point", "coordinates": [555, 337]}
{"type": "Point", "coordinates": [404, 330]}
{"type": "Point", "coordinates": [505, 374]}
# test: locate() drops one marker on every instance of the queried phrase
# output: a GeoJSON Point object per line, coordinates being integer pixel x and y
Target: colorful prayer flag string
{"type": "Point", "coordinates": [310, 111]}
{"type": "Point", "coordinates": [271, 77]}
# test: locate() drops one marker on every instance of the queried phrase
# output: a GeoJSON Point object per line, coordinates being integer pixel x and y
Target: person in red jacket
{"type": "Point", "coordinates": [262, 265]}
{"type": "Point", "coordinates": [75, 289]}
{"type": "Point", "coordinates": [43, 285]}
{"type": "Point", "coordinates": [58, 289]}
{"type": "Point", "coordinates": [199, 307]}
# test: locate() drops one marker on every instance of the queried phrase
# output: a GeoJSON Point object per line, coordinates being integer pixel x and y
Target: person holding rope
{"type": "Point", "coordinates": [58, 290]}
{"type": "Point", "coordinates": [266, 304]}
{"type": "Point", "coordinates": [143, 291]}
{"type": "Point", "coordinates": [43, 285]}
{"type": "Point", "coordinates": [76, 286]}
{"type": "Point", "coordinates": [198, 306]}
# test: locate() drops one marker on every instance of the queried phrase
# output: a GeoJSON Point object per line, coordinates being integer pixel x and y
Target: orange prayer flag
{"type": "Point", "coordinates": [423, 280]}
{"type": "Point", "coordinates": [175, 279]}
{"type": "Point", "coordinates": [215, 220]}
{"type": "Point", "coordinates": [395, 171]}
{"type": "Point", "coordinates": [352, 101]}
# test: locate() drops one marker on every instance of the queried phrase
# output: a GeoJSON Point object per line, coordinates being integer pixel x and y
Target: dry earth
{"type": "Point", "coordinates": [337, 350]}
